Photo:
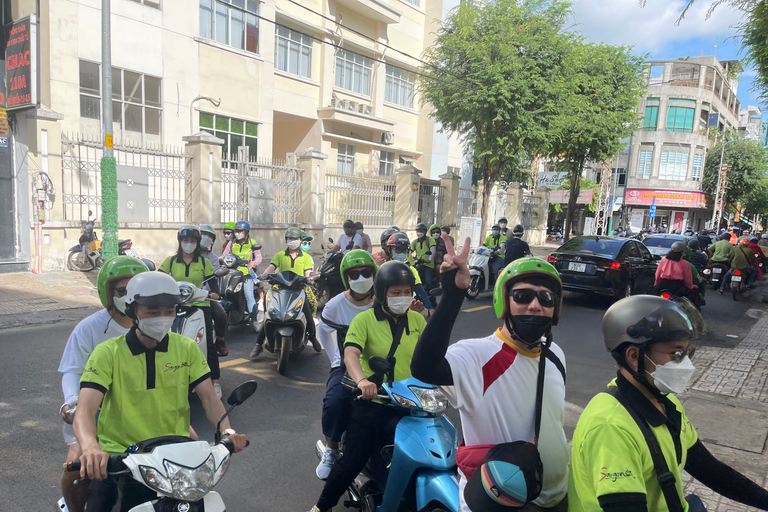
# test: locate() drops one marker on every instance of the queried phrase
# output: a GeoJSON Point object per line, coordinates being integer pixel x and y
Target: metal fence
{"type": "Point", "coordinates": [468, 203]}
{"type": "Point", "coordinates": [236, 175]}
{"type": "Point", "coordinates": [169, 179]}
{"type": "Point", "coordinates": [370, 201]}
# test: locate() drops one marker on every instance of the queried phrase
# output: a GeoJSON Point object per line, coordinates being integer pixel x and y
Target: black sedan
{"type": "Point", "coordinates": [616, 267]}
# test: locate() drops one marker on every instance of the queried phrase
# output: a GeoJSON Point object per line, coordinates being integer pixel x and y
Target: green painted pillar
{"type": "Point", "coordinates": [109, 207]}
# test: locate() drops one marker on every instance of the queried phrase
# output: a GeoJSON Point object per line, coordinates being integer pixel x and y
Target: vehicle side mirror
{"type": "Point", "coordinates": [379, 365]}
{"type": "Point", "coordinates": [657, 257]}
{"type": "Point", "coordinates": [242, 392]}
{"type": "Point", "coordinates": [221, 272]}
{"type": "Point", "coordinates": [90, 213]}
{"type": "Point", "coordinates": [256, 247]}
{"type": "Point", "coordinates": [330, 239]}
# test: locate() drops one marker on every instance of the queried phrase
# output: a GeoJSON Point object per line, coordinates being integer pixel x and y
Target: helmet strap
{"type": "Point", "coordinates": [640, 375]}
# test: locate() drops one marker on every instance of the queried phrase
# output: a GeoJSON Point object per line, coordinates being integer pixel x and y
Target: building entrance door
{"type": "Point", "coordinates": [677, 223]}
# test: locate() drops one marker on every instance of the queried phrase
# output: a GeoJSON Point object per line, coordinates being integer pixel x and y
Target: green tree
{"type": "Point", "coordinates": [598, 112]}
{"type": "Point", "coordinates": [493, 76]}
{"type": "Point", "coordinates": [747, 174]}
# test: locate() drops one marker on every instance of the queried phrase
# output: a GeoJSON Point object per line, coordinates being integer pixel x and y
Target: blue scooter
{"type": "Point", "coordinates": [417, 472]}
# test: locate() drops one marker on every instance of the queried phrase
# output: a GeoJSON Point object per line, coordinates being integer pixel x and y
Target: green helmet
{"type": "Point", "coordinates": [520, 269]}
{"type": "Point", "coordinates": [356, 258]}
{"type": "Point", "coordinates": [306, 236]}
{"type": "Point", "coordinates": [119, 266]}
{"type": "Point", "coordinates": [229, 225]}
{"type": "Point", "coordinates": [434, 227]}
{"type": "Point", "coordinates": [293, 233]}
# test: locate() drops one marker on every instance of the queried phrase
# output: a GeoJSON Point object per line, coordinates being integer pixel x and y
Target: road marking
{"type": "Point", "coordinates": [233, 362]}
{"type": "Point", "coordinates": [479, 308]}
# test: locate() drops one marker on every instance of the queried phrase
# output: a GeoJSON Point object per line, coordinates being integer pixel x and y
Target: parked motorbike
{"type": "Point", "coordinates": [86, 255]}
{"type": "Point", "coordinates": [714, 273]}
{"type": "Point", "coordinates": [284, 322]}
{"type": "Point", "coordinates": [231, 288]}
{"type": "Point", "coordinates": [329, 283]}
{"type": "Point", "coordinates": [417, 471]}
{"type": "Point", "coordinates": [190, 320]}
{"type": "Point", "coordinates": [480, 272]}
{"type": "Point", "coordinates": [183, 472]}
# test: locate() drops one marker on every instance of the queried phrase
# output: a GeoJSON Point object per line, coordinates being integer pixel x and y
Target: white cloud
{"type": "Point", "coordinates": [652, 28]}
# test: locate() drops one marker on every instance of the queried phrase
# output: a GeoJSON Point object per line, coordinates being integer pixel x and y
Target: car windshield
{"type": "Point", "coordinates": [660, 241]}
{"type": "Point", "coordinates": [604, 246]}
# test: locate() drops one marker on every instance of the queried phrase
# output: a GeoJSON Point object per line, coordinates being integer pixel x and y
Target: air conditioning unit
{"type": "Point", "coordinates": [334, 100]}
{"type": "Point", "coordinates": [388, 138]}
{"type": "Point", "coordinates": [352, 105]}
{"type": "Point", "coordinates": [366, 109]}
{"type": "Point", "coordinates": [342, 104]}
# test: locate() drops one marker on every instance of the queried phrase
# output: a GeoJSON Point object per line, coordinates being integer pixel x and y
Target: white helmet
{"type": "Point", "coordinates": [154, 289]}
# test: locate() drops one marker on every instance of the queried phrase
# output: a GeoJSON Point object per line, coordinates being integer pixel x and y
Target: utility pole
{"type": "Point", "coordinates": [108, 163]}
{"type": "Point", "coordinates": [719, 194]}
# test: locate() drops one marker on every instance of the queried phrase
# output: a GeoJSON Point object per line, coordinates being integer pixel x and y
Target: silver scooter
{"type": "Point", "coordinates": [190, 320]}
{"type": "Point", "coordinates": [480, 272]}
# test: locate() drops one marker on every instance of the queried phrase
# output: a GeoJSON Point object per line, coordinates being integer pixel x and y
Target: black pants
{"type": "Point", "coordinates": [102, 495]}
{"type": "Point", "coordinates": [211, 355]}
{"type": "Point", "coordinates": [336, 406]}
{"type": "Point", "coordinates": [371, 426]}
{"type": "Point", "coordinates": [427, 275]}
{"type": "Point", "coordinates": [219, 318]}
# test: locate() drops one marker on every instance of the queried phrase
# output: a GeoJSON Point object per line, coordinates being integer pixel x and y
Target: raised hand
{"type": "Point", "coordinates": [451, 260]}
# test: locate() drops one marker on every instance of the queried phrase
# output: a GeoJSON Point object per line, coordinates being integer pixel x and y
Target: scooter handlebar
{"type": "Point", "coordinates": [114, 464]}
{"type": "Point", "coordinates": [229, 445]}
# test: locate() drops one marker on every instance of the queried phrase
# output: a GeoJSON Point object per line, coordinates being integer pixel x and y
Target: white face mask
{"type": "Point", "coordinates": [672, 377]}
{"type": "Point", "coordinates": [399, 305]}
{"type": "Point", "coordinates": [206, 242]}
{"type": "Point", "coordinates": [503, 225]}
{"type": "Point", "coordinates": [188, 248]}
{"type": "Point", "coordinates": [420, 234]}
{"type": "Point", "coordinates": [294, 244]}
{"type": "Point", "coordinates": [119, 303]}
{"type": "Point", "coordinates": [361, 284]}
{"type": "Point", "coordinates": [359, 231]}
{"type": "Point", "coordinates": [156, 328]}
{"type": "Point", "coordinates": [435, 235]}
{"type": "Point", "coordinates": [240, 235]}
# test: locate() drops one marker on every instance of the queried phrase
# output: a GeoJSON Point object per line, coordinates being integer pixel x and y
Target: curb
{"type": "Point", "coordinates": [30, 319]}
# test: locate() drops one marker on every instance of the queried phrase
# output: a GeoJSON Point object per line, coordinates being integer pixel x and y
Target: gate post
{"type": "Point", "coordinates": [407, 197]}
{"type": "Point", "coordinates": [205, 168]}
{"type": "Point", "coordinates": [538, 234]}
{"type": "Point", "coordinates": [313, 187]}
{"type": "Point", "coordinates": [514, 210]}
{"type": "Point", "coordinates": [449, 199]}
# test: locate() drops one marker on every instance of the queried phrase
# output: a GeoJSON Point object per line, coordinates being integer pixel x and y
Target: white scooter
{"type": "Point", "coordinates": [480, 272]}
{"type": "Point", "coordinates": [190, 320]}
{"type": "Point", "coordinates": [183, 472]}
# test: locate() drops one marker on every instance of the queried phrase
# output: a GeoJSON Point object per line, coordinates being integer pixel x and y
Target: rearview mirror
{"type": "Point", "coordinates": [330, 239]}
{"type": "Point", "coordinates": [242, 392]}
{"type": "Point", "coordinates": [657, 257]}
{"type": "Point", "coordinates": [256, 247]}
{"type": "Point", "coordinates": [221, 272]}
{"type": "Point", "coordinates": [379, 365]}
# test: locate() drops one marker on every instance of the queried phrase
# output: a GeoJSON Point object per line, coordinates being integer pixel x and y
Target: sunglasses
{"type": "Point", "coordinates": [681, 354]}
{"type": "Point", "coordinates": [121, 291]}
{"type": "Point", "coordinates": [355, 274]}
{"type": "Point", "coordinates": [526, 296]}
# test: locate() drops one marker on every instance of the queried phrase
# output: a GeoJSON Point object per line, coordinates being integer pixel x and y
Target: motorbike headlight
{"type": "Point", "coordinates": [229, 260]}
{"type": "Point", "coordinates": [432, 399]}
{"type": "Point", "coordinates": [293, 313]}
{"type": "Point", "coordinates": [707, 271]}
{"type": "Point", "coordinates": [156, 480]}
{"type": "Point", "coordinates": [223, 466]}
{"type": "Point", "coordinates": [405, 402]}
{"type": "Point", "coordinates": [191, 484]}
{"type": "Point", "coordinates": [186, 292]}
{"type": "Point", "coordinates": [238, 287]}
{"type": "Point", "coordinates": [200, 335]}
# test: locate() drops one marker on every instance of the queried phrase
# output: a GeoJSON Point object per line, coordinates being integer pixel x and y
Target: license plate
{"type": "Point", "coordinates": [717, 270]}
{"type": "Point", "coordinates": [577, 267]}
{"type": "Point", "coordinates": [131, 253]}
{"type": "Point", "coordinates": [736, 279]}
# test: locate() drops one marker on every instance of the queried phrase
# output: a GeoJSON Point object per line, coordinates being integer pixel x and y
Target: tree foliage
{"type": "Point", "coordinates": [599, 110]}
{"type": "Point", "coordinates": [494, 75]}
{"type": "Point", "coordinates": [747, 174]}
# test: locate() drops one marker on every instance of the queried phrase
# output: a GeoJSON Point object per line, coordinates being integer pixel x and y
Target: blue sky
{"type": "Point", "coordinates": [651, 29]}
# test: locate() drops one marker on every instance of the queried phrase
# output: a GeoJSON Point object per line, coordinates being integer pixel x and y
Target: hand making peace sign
{"type": "Point", "coordinates": [451, 260]}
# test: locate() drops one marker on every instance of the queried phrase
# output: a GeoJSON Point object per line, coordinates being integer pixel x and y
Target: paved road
{"type": "Point", "coordinates": [276, 473]}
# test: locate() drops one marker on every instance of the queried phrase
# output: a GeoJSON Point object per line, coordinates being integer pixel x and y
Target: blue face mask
{"type": "Point", "coordinates": [305, 247]}
{"type": "Point", "coordinates": [399, 257]}
{"type": "Point", "coordinates": [495, 233]}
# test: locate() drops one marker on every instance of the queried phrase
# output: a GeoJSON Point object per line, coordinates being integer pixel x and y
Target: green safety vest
{"type": "Point", "coordinates": [243, 250]}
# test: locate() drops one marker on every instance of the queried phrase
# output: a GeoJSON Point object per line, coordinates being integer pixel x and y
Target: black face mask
{"type": "Point", "coordinates": [528, 328]}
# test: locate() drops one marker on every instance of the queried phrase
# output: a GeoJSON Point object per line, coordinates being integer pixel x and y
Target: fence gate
{"type": "Point", "coordinates": [468, 204]}
{"type": "Point", "coordinates": [429, 194]}
{"type": "Point", "coordinates": [530, 213]}
{"type": "Point", "coordinates": [153, 185]}
{"type": "Point", "coordinates": [367, 200]}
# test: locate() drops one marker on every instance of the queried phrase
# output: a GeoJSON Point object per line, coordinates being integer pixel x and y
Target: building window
{"type": "Point", "coordinates": [646, 162]}
{"type": "Point", "coordinates": [149, 3]}
{"type": "Point", "coordinates": [353, 72]}
{"type": "Point", "coordinates": [620, 177]}
{"type": "Point", "coordinates": [234, 133]}
{"type": "Point", "coordinates": [680, 115]}
{"type": "Point", "coordinates": [399, 88]}
{"type": "Point", "coordinates": [698, 159]}
{"type": "Point", "coordinates": [674, 165]}
{"type": "Point", "coordinates": [293, 52]}
{"type": "Point", "coordinates": [345, 161]}
{"type": "Point", "coordinates": [137, 111]}
{"type": "Point", "coordinates": [231, 22]}
{"type": "Point", "coordinates": [651, 119]}
{"type": "Point", "coordinates": [386, 163]}
{"type": "Point", "coordinates": [414, 3]}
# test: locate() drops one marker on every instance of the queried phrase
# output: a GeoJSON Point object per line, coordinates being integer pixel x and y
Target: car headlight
{"type": "Point", "coordinates": [293, 313]}
{"type": "Point", "coordinates": [405, 402]}
{"type": "Point", "coordinates": [191, 484]}
{"type": "Point", "coordinates": [432, 399]}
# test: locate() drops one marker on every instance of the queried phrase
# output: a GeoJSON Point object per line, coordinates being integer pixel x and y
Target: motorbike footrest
{"type": "Point", "coordinates": [353, 504]}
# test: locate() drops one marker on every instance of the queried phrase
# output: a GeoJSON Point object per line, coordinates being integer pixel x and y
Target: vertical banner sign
{"type": "Point", "coordinates": [21, 64]}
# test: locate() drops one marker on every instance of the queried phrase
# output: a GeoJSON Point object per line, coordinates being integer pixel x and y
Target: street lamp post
{"type": "Point", "coordinates": [108, 163]}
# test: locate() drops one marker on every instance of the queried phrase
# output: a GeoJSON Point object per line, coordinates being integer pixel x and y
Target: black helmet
{"type": "Point", "coordinates": [399, 241]}
{"type": "Point", "coordinates": [385, 235]}
{"type": "Point", "coordinates": [447, 229]}
{"type": "Point", "coordinates": [725, 236]}
{"type": "Point", "coordinates": [753, 240]}
{"type": "Point", "coordinates": [391, 273]}
{"type": "Point", "coordinates": [348, 224]}
{"type": "Point", "coordinates": [518, 230]}
{"type": "Point", "coordinates": [694, 245]}
{"type": "Point", "coordinates": [358, 225]}
{"type": "Point", "coordinates": [421, 227]}
{"type": "Point", "coordinates": [188, 231]}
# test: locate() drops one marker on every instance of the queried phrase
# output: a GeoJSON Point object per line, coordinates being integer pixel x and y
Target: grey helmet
{"type": "Point", "coordinates": [518, 230]}
{"type": "Point", "coordinates": [678, 247]}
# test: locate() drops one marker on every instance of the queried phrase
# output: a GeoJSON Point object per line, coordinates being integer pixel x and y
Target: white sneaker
{"type": "Point", "coordinates": [217, 389]}
{"type": "Point", "coordinates": [326, 463]}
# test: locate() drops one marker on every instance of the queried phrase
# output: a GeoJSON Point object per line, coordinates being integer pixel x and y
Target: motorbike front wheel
{"type": "Point", "coordinates": [79, 261]}
{"type": "Point", "coordinates": [285, 353]}
{"type": "Point", "coordinates": [475, 286]}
